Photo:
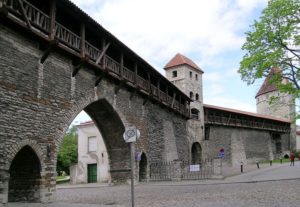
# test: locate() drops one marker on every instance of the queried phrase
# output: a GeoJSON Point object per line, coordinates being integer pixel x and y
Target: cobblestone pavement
{"type": "Point", "coordinates": [267, 194]}
{"type": "Point", "coordinates": [280, 193]}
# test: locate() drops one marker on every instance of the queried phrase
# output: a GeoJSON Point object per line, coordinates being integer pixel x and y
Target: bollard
{"type": "Point", "coordinates": [270, 162]}
{"type": "Point", "coordinates": [242, 170]}
{"type": "Point", "coordinates": [257, 164]}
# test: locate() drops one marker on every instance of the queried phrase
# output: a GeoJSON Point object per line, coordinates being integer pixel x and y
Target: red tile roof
{"type": "Point", "coordinates": [180, 59]}
{"type": "Point", "coordinates": [246, 113]}
{"type": "Point", "coordinates": [267, 86]}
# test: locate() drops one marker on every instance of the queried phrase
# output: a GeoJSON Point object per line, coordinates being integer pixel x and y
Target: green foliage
{"type": "Point", "coordinates": [67, 154]}
{"type": "Point", "coordinates": [274, 42]}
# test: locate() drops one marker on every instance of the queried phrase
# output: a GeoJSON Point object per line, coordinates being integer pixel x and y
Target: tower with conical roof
{"type": "Point", "coordinates": [282, 107]}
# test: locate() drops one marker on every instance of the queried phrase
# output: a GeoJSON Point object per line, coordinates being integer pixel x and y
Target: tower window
{"type": "Point", "coordinates": [195, 113]}
{"type": "Point", "coordinates": [191, 74]}
{"type": "Point", "coordinates": [197, 97]}
{"type": "Point", "coordinates": [196, 76]}
{"type": "Point", "coordinates": [191, 95]}
{"type": "Point", "coordinates": [174, 74]}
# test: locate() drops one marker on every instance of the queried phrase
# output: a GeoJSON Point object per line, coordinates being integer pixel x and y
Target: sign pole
{"type": "Point", "coordinates": [130, 136]}
{"type": "Point", "coordinates": [131, 144]}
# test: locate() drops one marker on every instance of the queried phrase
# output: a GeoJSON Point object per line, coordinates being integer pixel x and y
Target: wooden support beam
{"type": "Point", "coordinates": [99, 77]}
{"type": "Point", "coordinates": [149, 82]}
{"type": "Point", "coordinates": [52, 19]}
{"type": "Point", "coordinates": [122, 65]}
{"type": "Point", "coordinates": [135, 73]}
{"type": "Point", "coordinates": [24, 14]}
{"type": "Point", "coordinates": [82, 45]}
{"type": "Point", "coordinates": [173, 101]}
{"type": "Point", "coordinates": [228, 121]}
{"type": "Point", "coordinates": [102, 53]}
{"type": "Point", "coordinates": [77, 68]}
{"type": "Point", "coordinates": [132, 94]}
{"type": "Point", "coordinates": [3, 9]}
{"type": "Point", "coordinates": [51, 47]}
{"type": "Point", "coordinates": [145, 100]}
{"type": "Point", "coordinates": [118, 87]}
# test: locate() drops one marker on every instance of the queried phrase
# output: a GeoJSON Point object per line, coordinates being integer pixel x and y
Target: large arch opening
{"type": "Point", "coordinates": [103, 155]}
{"type": "Point", "coordinates": [25, 177]}
{"type": "Point", "coordinates": [196, 153]}
{"type": "Point", "coordinates": [143, 168]}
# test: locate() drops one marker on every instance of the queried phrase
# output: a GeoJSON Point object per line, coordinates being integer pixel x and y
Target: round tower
{"type": "Point", "coordinates": [282, 107]}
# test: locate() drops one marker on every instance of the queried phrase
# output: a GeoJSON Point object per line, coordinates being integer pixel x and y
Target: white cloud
{"type": "Point", "coordinates": [157, 29]}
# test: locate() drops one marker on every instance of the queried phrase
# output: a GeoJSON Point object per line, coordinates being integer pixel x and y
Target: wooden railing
{"type": "Point", "coordinates": [128, 74]}
{"type": "Point", "coordinates": [141, 82]}
{"type": "Point", "coordinates": [34, 17]}
{"type": "Point", "coordinates": [91, 51]}
{"type": "Point", "coordinates": [67, 37]}
{"type": "Point", "coordinates": [112, 65]}
{"type": "Point", "coordinates": [239, 122]}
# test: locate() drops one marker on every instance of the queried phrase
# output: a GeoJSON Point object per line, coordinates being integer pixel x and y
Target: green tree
{"type": "Point", "coordinates": [68, 151]}
{"type": "Point", "coordinates": [273, 42]}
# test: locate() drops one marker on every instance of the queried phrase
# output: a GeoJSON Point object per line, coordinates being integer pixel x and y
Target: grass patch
{"type": "Point", "coordinates": [62, 179]}
{"type": "Point", "coordinates": [275, 161]}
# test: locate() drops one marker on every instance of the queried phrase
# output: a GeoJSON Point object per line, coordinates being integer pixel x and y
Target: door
{"type": "Point", "coordinates": [92, 173]}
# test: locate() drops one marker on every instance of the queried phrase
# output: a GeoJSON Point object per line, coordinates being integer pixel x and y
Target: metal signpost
{"type": "Point", "coordinates": [130, 136]}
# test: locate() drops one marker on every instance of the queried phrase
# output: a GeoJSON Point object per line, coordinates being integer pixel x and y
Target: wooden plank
{"type": "Point", "coordinates": [102, 53]}
{"type": "Point", "coordinates": [24, 14]}
{"type": "Point", "coordinates": [173, 101]}
{"type": "Point", "coordinates": [82, 35]}
{"type": "Point", "coordinates": [52, 19]}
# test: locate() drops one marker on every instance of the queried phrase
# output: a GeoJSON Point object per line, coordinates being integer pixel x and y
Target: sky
{"type": "Point", "coordinates": [211, 33]}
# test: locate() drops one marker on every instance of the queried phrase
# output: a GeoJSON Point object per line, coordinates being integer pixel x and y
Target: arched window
{"type": "Point", "coordinates": [197, 97]}
{"type": "Point", "coordinates": [195, 113]}
{"type": "Point", "coordinates": [191, 95]}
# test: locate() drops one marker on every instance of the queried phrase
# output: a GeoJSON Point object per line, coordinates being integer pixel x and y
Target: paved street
{"type": "Point", "coordinates": [241, 190]}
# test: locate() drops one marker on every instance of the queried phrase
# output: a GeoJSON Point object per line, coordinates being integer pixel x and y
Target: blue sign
{"type": "Point", "coordinates": [221, 154]}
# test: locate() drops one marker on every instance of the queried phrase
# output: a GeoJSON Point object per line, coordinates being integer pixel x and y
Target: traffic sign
{"type": "Point", "coordinates": [131, 134]}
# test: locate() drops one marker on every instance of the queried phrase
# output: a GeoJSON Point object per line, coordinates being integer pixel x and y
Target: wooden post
{"type": "Point", "coordinates": [149, 82]}
{"type": "Point", "coordinates": [52, 19]}
{"type": "Point", "coordinates": [122, 65]}
{"type": "Point", "coordinates": [82, 45]}
{"type": "Point", "coordinates": [135, 74]}
{"type": "Point", "coordinates": [103, 48]}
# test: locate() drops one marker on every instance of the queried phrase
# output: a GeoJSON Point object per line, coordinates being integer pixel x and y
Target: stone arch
{"type": "Point", "coordinates": [14, 149]}
{"type": "Point", "coordinates": [109, 123]}
{"type": "Point", "coordinates": [25, 176]}
{"type": "Point", "coordinates": [143, 166]}
{"type": "Point", "coordinates": [196, 153]}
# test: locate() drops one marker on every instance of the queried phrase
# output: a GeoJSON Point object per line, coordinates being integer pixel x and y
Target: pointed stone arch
{"type": "Point", "coordinates": [25, 176]}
